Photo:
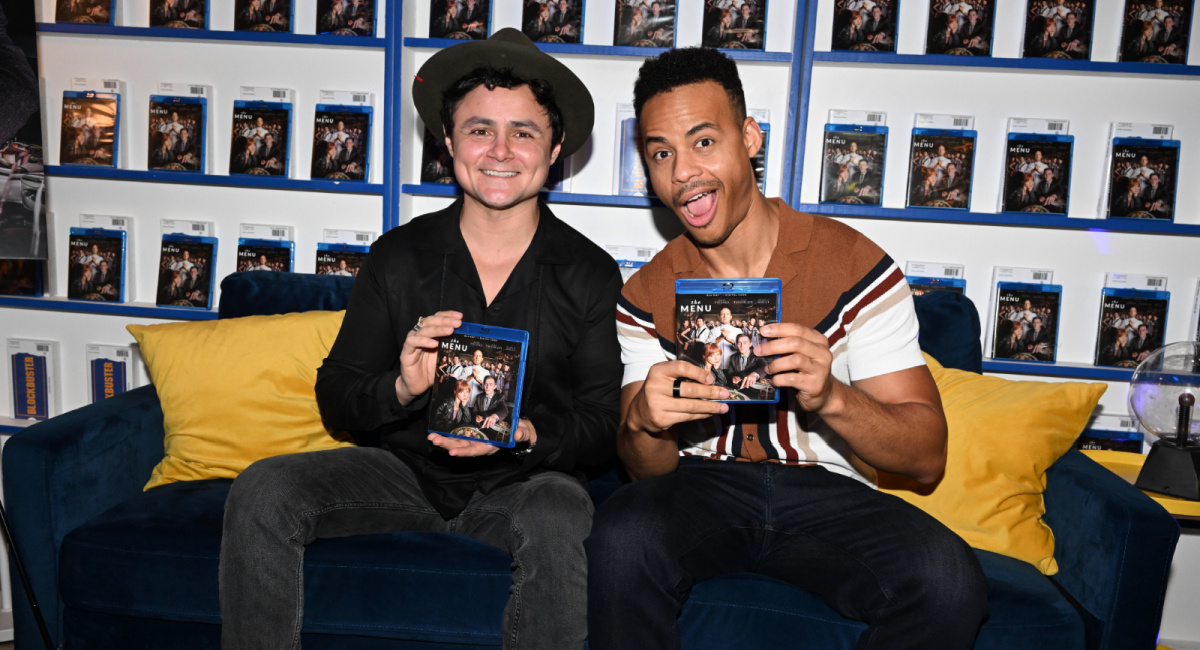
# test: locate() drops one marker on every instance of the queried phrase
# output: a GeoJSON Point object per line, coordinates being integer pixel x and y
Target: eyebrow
{"type": "Point", "coordinates": [692, 131]}
{"type": "Point", "coordinates": [516, 124]}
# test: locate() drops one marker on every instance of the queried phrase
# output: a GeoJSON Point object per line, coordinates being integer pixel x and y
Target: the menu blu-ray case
{"type": "Point", "coordinates": [476, 392]}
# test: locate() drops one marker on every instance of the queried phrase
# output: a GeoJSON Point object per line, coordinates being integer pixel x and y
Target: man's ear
{"type": "Point", "coordinates": [752, 136]}
{"type": "Point", "coordinates": [556, 150]}
{"type": "Point", "coordinates": [449, 143]}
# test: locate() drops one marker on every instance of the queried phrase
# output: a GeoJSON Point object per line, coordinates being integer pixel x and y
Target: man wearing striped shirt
{"type": "Point", "coordinates": [857, 399]}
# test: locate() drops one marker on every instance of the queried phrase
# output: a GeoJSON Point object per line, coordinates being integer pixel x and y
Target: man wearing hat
{"type": "Point", "coordinates": [496, 256]}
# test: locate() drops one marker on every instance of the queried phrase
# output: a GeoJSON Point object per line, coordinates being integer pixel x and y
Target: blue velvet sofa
{"type": "Point", "coordinates": [115, 567]}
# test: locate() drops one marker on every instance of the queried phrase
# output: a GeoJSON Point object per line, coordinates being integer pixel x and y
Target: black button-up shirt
{"type": "Point", "coordinates": [563, 291]}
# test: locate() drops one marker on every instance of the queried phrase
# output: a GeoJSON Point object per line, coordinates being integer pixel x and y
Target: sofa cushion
{"type": "Point", "coordinates": [751, 611]}
{"type": "Point", "coordinates": [155, 556]}
{"type": "Point", "coordinates": [949, 329]}
{"type": "Point", "coordinates": [237, 390]}
{"type": "Point", "coordinates": [1003, 436]}
{"type": "Point", "coordinates": [260, 293]}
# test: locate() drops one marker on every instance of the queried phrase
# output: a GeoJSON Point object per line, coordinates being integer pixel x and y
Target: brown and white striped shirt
{"type": "Point", "coordinates": [835, 281]}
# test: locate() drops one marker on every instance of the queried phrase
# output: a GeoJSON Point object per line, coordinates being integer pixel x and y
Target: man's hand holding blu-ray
{"type": "Point", "coordinates": [463, 448]}
{"type": "Point", "coordinates": [418, 357]}
{"type": "Point", "coordinates": [804, 362]}
{"type": "Point", "coordinates": [655, 408]}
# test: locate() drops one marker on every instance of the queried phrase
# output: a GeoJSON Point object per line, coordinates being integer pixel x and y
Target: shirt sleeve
{"type": "Point", "coordinates": [640, 345]}
{"type": "Point", "coordinates": [882, 336]}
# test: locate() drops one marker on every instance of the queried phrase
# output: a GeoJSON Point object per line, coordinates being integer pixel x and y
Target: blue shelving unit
{"type": "Point", "coordinates": [1060, 65]}
{"type": "Point", "coordinates": [1069, 370]}
{"type": "Point", "coordinates": [324, 40]}
{"type": "Point", "coordinates": [141, 310]}
{"type": "Point", "coordinates": [610, 50]}
{"type": "Point", "coordinates": [238, 180]}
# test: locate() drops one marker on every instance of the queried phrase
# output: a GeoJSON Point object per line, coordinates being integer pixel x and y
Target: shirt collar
{"type": "Point", "coordinates": [446, 237]}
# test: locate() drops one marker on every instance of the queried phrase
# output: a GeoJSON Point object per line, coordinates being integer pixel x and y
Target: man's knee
{"type": "Point", "coordinates": [627, 531]}
{"type": "Point", "coordinates": [559, 506]}
{"type": "Point", "coordinates": [266, 487]}
{"type": "Point", "coordinates": [949, 580]}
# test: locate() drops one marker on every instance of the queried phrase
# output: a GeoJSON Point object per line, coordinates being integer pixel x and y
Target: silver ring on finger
{"type": "Point", "coordinates": [417, 327]}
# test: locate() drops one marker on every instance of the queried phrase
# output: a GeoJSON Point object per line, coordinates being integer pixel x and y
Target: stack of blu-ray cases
{"type": "Point", "coordinates": [177, 131]}
{"type": "Point", "coordinates": [718, 326]}
{"type": "Point", "coordinates": [96, 266]}
{"type": "Point", "coordinates": [478, 382]}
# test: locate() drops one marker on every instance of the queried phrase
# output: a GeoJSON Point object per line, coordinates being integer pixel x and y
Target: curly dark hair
{"type": "Point", "coordinates": [494, 78]}
{"type": "Point", "coordinates": [685, 66]}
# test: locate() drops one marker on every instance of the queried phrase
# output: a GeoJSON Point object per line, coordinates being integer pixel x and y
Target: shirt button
{"type": "Point", "coordinates": [750, 437]}
{"type": "Point", "coordinates": [495, 307]}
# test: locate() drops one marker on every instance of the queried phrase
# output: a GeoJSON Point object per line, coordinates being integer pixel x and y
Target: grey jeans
{"type": "Point", "coordinates": [280, 504]}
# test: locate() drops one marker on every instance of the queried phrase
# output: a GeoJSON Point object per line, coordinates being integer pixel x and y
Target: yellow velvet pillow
{"type": "Point", "coordinates": [237, 390]}
{"type": "Point", "coordinates": [1004, 435]}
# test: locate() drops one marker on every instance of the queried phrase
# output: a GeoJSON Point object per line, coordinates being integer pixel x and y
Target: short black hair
{"type": "Point", "coordinates": [494, 78]}
{"type": "Point", "coordinates": [685, 66]}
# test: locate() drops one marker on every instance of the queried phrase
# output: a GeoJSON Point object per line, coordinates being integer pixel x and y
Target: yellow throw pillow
{"type": "Point", "coordinates": [1004, 435]}
{"type": "Point", "coordinates": [237, 390]}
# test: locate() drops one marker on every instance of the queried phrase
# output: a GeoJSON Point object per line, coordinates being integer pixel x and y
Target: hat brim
{"type": "Point", "coordinates": [507, 48]}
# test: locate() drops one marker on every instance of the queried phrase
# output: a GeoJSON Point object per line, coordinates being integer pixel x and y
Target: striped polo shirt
{"type": "Point", "coordinates": [835, 281]}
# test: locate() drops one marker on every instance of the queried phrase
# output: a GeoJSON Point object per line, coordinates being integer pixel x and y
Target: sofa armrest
{"type": "Point", "coordinates": [63, 472]}
{"type": "Point", "coordinates": [1114, 546]}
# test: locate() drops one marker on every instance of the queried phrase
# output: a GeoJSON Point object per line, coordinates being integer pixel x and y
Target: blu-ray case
{"type": "Point", "coordinates": [185, 271]}
{"type": "Point", "coordinates": [1058, 29]}
{"type": "Point", "coordinates": [477, 386]}
{"type": "Point", "coordinates": [853, 163]}
{"type": "Point", "coordinates": [90, 128]}
{"type": "Point", "coordinates": [941, 168]}
{"type": "Point", "coordinates": [36, 387]}
{"type": "Point", "coordinates": [437, 165]}
{"type": "Point", "coordinates": [341, 141]}
{"type": "Point", "coordinates": [340, 259]}
{"type": "Point", "coordinates": [21, 277]}
{"type": "Point", "coordinates": [179, 14]}
{"type": "Point", "coordinates": [265, 255]}
{"type": "Point", "coordinates": [645, 24]}
{"type": "Point", "coordinates": [460, 19]}
{"type": "Point", "coordinates": [346, 17]}
{"type": "Point", "coordinates": [922, 285]}
{"type": "Point", "coordinates": [109, 370]}
{"type": "Point", "coordinates": [96, 264]}
{"type": "Point", "coordinates": [865, 25]}
{"type": "Point", "coordinates": [1027, 317]}
{"type": "Point", "coordinates": [1131, 327]}
{"type": "Point", "coordinates": [260, 138]}
{"type": "Point", "coordinates": [177, 131]}
{"type": "Point", "coordinates": [759, 161]}
{"type": "Point", "coordinates": [632, 179]}
{"type": "Point", "coordinates": [1156, 31]}
{"type": "Point", "coordinates": [717, 327]}
{"type": "Point", "coordinates": [553, 21]}
{"type": "Point", "coordinates": [1143, 179]}
{"type": "Point", "coordinates": [1027, 186]}
{"type": "Point", "coordinates": [262, 15]}
{"type": "Point", "coordinates": [95, 12]}
{"type": "Point", "coordinates": [735, 27]}
{"type": "Point", "coordinates": [959, 28]}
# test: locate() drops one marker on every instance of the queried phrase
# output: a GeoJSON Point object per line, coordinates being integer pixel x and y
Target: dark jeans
{"type": "Point", "coordinates": [870, 556]}
{"type": "Point", "coordinates": [280, 504]}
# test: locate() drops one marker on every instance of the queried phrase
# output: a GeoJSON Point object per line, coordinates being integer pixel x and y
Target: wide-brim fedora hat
{"type": "Point", "coordinates": [507, 48]}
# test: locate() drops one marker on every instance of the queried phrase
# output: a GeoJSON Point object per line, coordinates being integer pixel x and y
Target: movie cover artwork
{"type": "Point", "coordinates": [460, 19]}
{"type": "Point", "coordinates": [553, 21]}
{"type": "Point", "coordinates": [180, 14]}
{"type": "Point", "coordinates": [340, 142]}
{"type": "Point", "coordinates": [176, 139]}
{"type": "Point", "coordinates": [262, 15]}
{"type": "Point", "coordinates": [720, 331]}
{"type": "Point", "coordinates": [255, 257]}
{"type": "Point", "coordinates": [1037, 176]}
{"type": "Point", "coordinates": [632, 179]}
{"type": "Point", "coordinates": [1156, 31]}
{"type": "Point", "coordinates": [84, 11]}
{"type": "Point", "coordinates": [922, 286]}
{"type": "Point", "coordinates": [260, 141]}
{"type": "Point", "coordinates": [1059, 29]}
{"type": "Point", "coordinates": [729, 26]}
{"type": "Point", "coordinates": [940, 171]}
{"type": "Point", "coordinates": [1142, 181]}
{"type": "Point", "coordinates": [475, 388]}
{"type": "Point", "coordinates": [20, 277]}
{"type": "Point", "coordinates": [865, 25]}
{"type": "Point", "coordinates": [644, 23]}
{"type": "Point", "coordinates": [1130, 330]}
{"type": "Point", "coordinates": [437, 166]}
{"type": "Point", "coordinates": [960, 28]}
{"type": "Point", "coordinates": [1026, 324]}
{"type": "Point", "coordinates": [94, 271]}
{"type": "Point", "coordinates": [344, 263]}
{"type": "Point", "coordinates": [88, 131]}
{"type": "Point", "coordinates": [346, 17]}
{"type": "Point", "coordinates": [852, 167]}
{"type": "Point", "coordinates": [184, 274]}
